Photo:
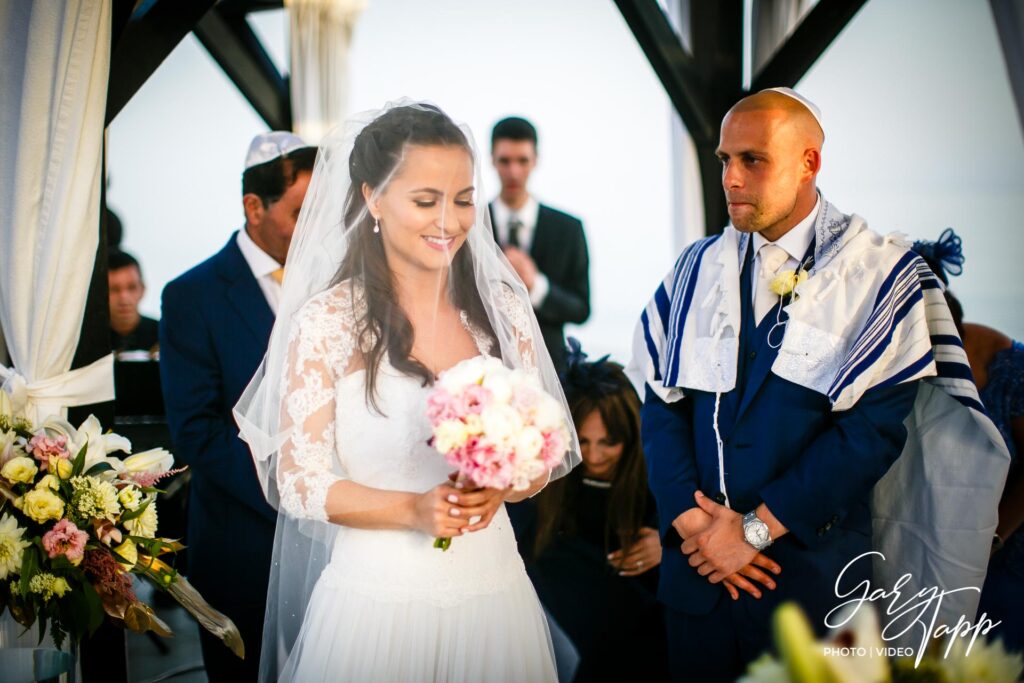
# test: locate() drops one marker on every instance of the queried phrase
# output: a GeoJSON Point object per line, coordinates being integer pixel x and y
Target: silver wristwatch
{"type": "Point", "coordinates": [755, 531]}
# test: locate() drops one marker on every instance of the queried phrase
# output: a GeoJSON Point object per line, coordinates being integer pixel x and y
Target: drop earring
{"type": "Point", "coordinates": [376, 225]}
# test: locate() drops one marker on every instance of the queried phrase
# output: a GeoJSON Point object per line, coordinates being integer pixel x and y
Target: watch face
{"type": "Point", "coordinates": [756, 533]}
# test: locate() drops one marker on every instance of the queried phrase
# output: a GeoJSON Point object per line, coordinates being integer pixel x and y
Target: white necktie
{"type": "Point", "coordinates": [770, 258]}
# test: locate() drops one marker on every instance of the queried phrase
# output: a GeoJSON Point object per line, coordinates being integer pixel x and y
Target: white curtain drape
{"type": "Point", "coordinates": [321, 32]}
{"type": "Point", "coordinates": [54, 59]}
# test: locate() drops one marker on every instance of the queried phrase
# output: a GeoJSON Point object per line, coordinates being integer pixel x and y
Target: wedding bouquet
{"type": "Point", "coordinates": [76, 523]}
{"type": "Point", "coordinates": [496, 426]}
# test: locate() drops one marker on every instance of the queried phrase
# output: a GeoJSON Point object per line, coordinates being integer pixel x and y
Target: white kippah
{"type": "Point", "coordinates": [810, 106]}
{"type": "Point", "coordinates": [269, 146]}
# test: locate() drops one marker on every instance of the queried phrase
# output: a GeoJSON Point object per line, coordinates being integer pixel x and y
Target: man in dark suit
{"type": "Point", "coordinates": [214, 331]}
{"type": "Point", "coordinates": [545, 246]}
{"type": "Point", "coordinates": [767, 462]}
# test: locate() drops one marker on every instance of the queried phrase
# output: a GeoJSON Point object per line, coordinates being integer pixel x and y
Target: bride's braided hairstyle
{"type": "Point", "coordinates": [376, 155]}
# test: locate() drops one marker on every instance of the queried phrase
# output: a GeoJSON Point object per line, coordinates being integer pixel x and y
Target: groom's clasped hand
{"type": "Point", "coordinates": [713, 540]}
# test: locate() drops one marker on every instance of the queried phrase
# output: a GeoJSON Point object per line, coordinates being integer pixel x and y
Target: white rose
{"type": "Point", "coordinates": [467, 372]}
{"type": "Point", "coordinates": [529, 443]}
{"type": "Point", "coordinates": [153, 461]}
{"type": "Point", "coordinates": [549, 414]}
{"type": "Point", "coordinates": [449, 435]}
{"type": "Point", "coordinates": [501, 424]}
{"type": "Point", "coordinates": [499, 386]}
{"type": "Point", "coordinates": [474, 425]}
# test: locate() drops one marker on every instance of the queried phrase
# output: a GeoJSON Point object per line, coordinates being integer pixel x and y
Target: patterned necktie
{"type": "Point", "coordinates": [771, 258]}
{"type": "Point", "coordinates": [278, 275]}
{"type": "Point", "coordinates": [514, 226]}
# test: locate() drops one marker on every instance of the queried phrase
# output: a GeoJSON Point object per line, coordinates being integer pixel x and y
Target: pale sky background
{"type": "Point", "coordinates": [921, 134]}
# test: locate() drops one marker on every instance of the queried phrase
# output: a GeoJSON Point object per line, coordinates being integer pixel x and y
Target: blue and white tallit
{"type": "Point", "coordinates": [871, 314]}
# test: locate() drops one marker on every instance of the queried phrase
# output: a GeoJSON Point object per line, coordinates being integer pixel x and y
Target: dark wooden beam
{"type": "Point", "coordinates": [716, 34]}
{"type": "Point", "coordinates": [1009, 19]}
{"type": "Point", "coordinates": [232, 43]}
{"type": "Point", "coordinates": [141, 45]}
{"type": "Point", "coordinates": [672, 64]}
{"type": "Point", "coordinates": [812, 36]}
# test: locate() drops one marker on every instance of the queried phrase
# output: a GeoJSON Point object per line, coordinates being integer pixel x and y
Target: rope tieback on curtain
{"type": "Point", "coordinates": [38, 400]}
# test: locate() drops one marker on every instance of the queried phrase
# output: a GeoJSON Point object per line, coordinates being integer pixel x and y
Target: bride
{"type": "Point", "coordinates": [393, 276]}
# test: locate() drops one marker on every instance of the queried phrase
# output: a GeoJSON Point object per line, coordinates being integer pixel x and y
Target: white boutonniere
{"type": "Point", "coordinates": [785, 282]}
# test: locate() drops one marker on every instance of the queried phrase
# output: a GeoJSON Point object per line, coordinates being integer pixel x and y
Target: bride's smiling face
{"type": "Point", "coordinates": [427, 209]}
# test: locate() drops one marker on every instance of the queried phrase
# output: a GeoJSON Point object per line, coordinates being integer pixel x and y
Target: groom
{"type": "Point", "coordinates": [214, 332]}
{"type": "Point", "coordinates": [771, 414]}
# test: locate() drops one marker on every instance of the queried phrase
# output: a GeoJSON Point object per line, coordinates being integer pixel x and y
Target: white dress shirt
{"type": "Point", "coordinates": [262, 266]}
{"type": "Point", "coordinates": [795, 243]}
{"type": "Point", "coordinates": [527, 215]}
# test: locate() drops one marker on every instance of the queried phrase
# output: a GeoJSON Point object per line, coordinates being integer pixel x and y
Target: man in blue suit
{"type": "Point", "coordinates": [762, 487]}
{"type": "Point", "coordinates": [214, 332]}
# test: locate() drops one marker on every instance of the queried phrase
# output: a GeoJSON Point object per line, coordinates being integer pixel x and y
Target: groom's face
{"type": "Point", "coordinates": [762, 171]}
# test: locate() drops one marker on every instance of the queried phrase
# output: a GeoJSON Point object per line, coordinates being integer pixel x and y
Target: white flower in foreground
{"type": "Point", "coordinates": [153, 461]}
{"type": "Point", "coordinates": [12, 546]}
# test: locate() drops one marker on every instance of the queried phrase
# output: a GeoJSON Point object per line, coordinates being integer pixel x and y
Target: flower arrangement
{"type": "Point", "coordinates": [76, 523]}
{"type": "Point", "coordinates": [855, 653]}
{"type": "Point", "coordinates": [496, 426]}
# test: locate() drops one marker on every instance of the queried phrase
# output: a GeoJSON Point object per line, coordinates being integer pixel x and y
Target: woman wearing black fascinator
{"type": "Point", "coordinates": [596, 549]}
{"type": "Point", "coordinates": [997, 363]}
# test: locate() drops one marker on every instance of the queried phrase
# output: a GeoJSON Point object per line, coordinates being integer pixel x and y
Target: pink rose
{"type": "Point", "coordinates": [472, 400]}
{"type": "Point", "coordinates": [43, 448]}
{"type": "Point", "coordinates": [553, 450]}
{"type": "Point", "coordinates": [65, 539]}
{"type": "Point", "coordinates": [441, 407]}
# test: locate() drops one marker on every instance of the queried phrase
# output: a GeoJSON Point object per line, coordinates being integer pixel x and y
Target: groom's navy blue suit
{"type": "Point", "coordinates": [783, 446]}
{"type": "Point", "coordinates": [214, 331]}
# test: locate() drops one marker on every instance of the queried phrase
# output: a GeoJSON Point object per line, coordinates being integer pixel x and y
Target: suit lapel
{"type": "Point", "coordinates": [244, 293]}
{"type": "Point", "coordinates": [540, 235]}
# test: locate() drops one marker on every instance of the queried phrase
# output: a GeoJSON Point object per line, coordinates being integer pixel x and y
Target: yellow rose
{"type": "Point", "coordinates": [127, 553]}
{"type": "Point", "coordinates": [42, 505]}
{"type": "Point", "coordinates": [62, 466]}
{"type": "Point", "coordinates": [48, 482]}
{"type": "Point", "coordinates": [20, 470]}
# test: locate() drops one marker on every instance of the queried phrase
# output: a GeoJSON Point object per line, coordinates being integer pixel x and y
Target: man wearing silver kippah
{"type": "Point", "coordinates": [214, 331]}
{"type": "Point", "coordinates": [807, 401]}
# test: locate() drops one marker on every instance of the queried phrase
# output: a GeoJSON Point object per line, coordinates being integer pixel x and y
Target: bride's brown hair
{"type": "Point", "coordinates": [384, 326]}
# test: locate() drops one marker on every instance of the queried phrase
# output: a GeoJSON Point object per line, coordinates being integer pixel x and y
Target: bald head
{"type": "Point", "coordinates": [770, 148]}
{"type": "Point", "coordinates": [791, 111]}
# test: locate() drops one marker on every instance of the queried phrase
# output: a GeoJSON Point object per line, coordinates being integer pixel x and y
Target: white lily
{"type": "Point", "coordinates": [153, 461]}
{"type": "Point", "coordinates": [90, 433]}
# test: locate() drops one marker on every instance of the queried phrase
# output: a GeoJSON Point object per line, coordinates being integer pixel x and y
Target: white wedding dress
{"type": "Point", "coordinates": [389, 606]}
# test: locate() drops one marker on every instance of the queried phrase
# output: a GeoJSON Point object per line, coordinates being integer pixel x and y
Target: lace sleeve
{"type": "Point", "coordinates": [519, 317]}
{"type": "Point", "coordinates": [320, 346]}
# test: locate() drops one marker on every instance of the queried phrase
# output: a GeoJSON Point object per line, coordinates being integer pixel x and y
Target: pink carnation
{"type": "Point", "coordinates": [65, 539]}
{"type": "Point", "coordinates": [43, 448]}
{"type": "Point", "coordinates": [553, 450]}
